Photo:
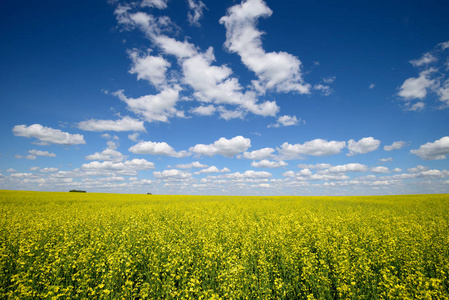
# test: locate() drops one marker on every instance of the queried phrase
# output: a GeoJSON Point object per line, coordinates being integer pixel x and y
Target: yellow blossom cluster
{"type": "Point", "coordinates": [115, 246]}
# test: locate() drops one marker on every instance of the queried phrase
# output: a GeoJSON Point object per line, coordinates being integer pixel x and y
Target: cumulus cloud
{"type": "Point", "coordinates": [280, 71]}
{"type": "Point", "coordinates": [223, 146]}
{"type": "Point", "coordinates": [161, 4]}
{"type": "Point", "coordinates": [150, 68]}
{"type": "Point", "coordinates": [155, 148]}
{"type": "Point", "coordinates": [283, 121]}
{"type": "Point", "coordinates": [195, 164]}
{"type": "Point", "coordinates": [416, 87]}
{"type": "Point", "coordinates": [268, 164]}
{"type": "Point", "coordinates": [202, 110]}
{"type": "Point", "coordinates": [317, 147]}
{"type": "Point", "coordinates": [107, 155]}
{"type": "Point", "coordinates": [154, 108]}
{"type": "Point", "coordinates": [47, 135]}
{"type": "Point", "coordinates": [426, 59]}
{"type": "Point", "coordinates": [213, 169]}
{"type": "Point", "coordinates": [395, 146]}
{"type": "Point", "coordinates": [436, 150]}
{"type": "Point", "coordinates": [380, 169]}
{"type": "Point", "coordinates": [318, 166]}
{"type": "Point", "coordinates": [260, 154]}
{"type": "Point", "coordinates": [125, 124]}
{"type": "Point", "coordinates": [352, 167]}
{"type": "Point", "coordinates": [129, 167]}
{"type": "Point", "coordinates": [210, 83]}
{"type": "Point", "coordinates": [364, 145]}
{"type": "Point", "coordinates": [196, 12]}
{"type": "Point", "coordinates": [386, 159]}
{"type": "Point", "coordinates": [172, 174]}
{"type": "Point", "coordinates": [48, 170]}
{"type": "Point", "coordinates": [250, 174]}
{"type": "Point", "coordinates": [134, 136]}
{"type": "Point", "coordinates": [432, 80]}
{"type": "Point", "coordinates": [41, 153]}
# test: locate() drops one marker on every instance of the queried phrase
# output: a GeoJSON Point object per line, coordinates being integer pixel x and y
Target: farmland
{"type": "Point", "coordinates": [108, 246]}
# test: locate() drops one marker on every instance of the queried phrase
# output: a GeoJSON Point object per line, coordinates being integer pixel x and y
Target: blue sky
{"type": "Point", "coordinates": [225, 97]}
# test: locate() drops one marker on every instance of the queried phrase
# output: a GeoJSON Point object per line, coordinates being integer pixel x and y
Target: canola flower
{"type": "Point", "coordinates": [112, 246]}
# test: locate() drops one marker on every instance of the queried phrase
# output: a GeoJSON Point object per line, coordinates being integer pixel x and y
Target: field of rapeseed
{"type": "Point", "coordinates": [111, 246]}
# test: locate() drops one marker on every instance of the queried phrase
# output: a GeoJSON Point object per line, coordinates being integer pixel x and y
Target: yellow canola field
{"type": "Point", "coordinates": [114, 246]}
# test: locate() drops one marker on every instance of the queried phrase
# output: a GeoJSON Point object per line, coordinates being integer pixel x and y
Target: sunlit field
{"type": "Point", "coordinates": [113, 246]}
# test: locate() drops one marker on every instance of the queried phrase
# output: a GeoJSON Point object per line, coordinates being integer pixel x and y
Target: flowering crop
{"type": "Point", "coordinates": [113, 246]}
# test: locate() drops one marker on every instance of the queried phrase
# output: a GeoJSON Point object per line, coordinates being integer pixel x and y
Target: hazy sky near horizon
{"type": "Point", "coordinates": [225, 97]}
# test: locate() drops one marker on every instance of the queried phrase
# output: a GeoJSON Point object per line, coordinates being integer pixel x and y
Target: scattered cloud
{"type": "Point", "coordinates": [280, 71]}
{"type": "Point", "coordinates": [268, 164]}
{"type": "Point", "coordinates": [47, 135]}
{"type": "Point", "coordinates": [154, 108]}
{"type": "Point", "coordinates": [372, 86]}
{"type": "Point", "coordinates": [155, 148]}
{"type": "Point", "coordinates": [212, 169]}
{"type": "Point", "coordinates": [260, 154]}
{"type": "Point", "coordinates": [125, 124]}
{"type": "Point", "coordinates": [395, 146]}
{"type": "Point", "coordinates": [223, 146]}
{"type": "Point", "coordinates": [134, 136]}
{"type": "Point", "coordinates": [285, 120]}
{"type": "Point", "coordinates": [364, 145]}
{"type": "Point", "coordinates": [196, 12]}
{"type": "Point", "coordinates": [386, 159]}
{"type": "Point", "coordinates": [436, 150]}
{"type": "Point", "coordinates": [317, 147]}
{"type": "Point", "coordinates": [195, 164]}
{"type": "Point", "coordinates": [150, 68]}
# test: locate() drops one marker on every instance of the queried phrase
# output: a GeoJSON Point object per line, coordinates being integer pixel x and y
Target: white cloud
{"type": "Point", "coordinates": [150, 68]}
{"type": "Point", "coordinates": [317, 147]}
{"type": "Point", "coordinates": [172, 174]}
{"type": "Point", "coordinates": [11, 170]}
{"type": "Point", "coordinates": [364, 145]}
{"type": "Point", "coordinates": [426, 59]}
{"type": "Point", "coordinates": [317, 166]}
{"type": "Point", "coordinates": [395, 146]}
{"type": "Point", "coordinates": [386, 159]}
{"type": "Point", "coordinates": [352, 167]}
{"type": "Point", "coordinates": [125, 124]}
{"type": "Point", "coordinates": [380, 169]}
{"type": "Point", "coordinates": [371, 86]}
{"type": "Point", "coordinates": [275, 70]}
{"type": "Point", "coordinates": [161, 4]}
{"type": "Point", "coordinates": [443, 93]}
{"type": "Point", "coordinates": [134, 136]}
{"type": "Point", "coordinates": [248, 175]}
{"type": "Point", "coordinates": [155, 148]}
{"type": "Point", "coordinates": [41, 153]}
{"type": "Point", "coordinates": [213, 169]}
{"type": "Point", "coordinates": [31, 157]}
{"type": "Point", "coordinates": [417, 169]}
{"type": "Point", "coordinates": [286, 121]}
{"type": "Point", "coordinates": [195, 164]}
{"type": "Point", "coordinates": [211, 84]}
{"type": "Point", "coordinates": [223, 146]}
{"type": "Point", "coordinates": [196, 12]}
{"type": "Point", "coordinates": [260, 154]}
{"type": "Point", "coordinates": [47, 135]}
{"type": "Point", "coordinates": [202, 110]}
{"type": "Point", "coordinates": [268, 164]}
{"type": "Point", "coordinates": [418, 106]}
{"type": "Point", "coordinates": [153, 108]}
{"type": "Point", "coordinates": [436, 150]}
{"type": "Point", "coordinates": [48, 170]}
{"type": "Point", "coordinates": [107, 155]}
{"type": "Point", "coordinates": [130, 167]}
{"type": "Point", "coordinates": [416, 88]}
{"type": "Point", "coordinates": [324, 89]}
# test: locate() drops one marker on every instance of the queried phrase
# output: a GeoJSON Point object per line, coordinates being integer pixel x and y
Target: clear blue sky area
{"type": "Point", "coordinates": [225, 97]}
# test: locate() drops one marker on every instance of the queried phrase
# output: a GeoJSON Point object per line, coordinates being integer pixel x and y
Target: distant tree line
{"type": "Point", "coordinates": [77, 191]}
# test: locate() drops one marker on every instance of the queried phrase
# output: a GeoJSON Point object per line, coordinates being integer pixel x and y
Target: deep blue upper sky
{"type": "Point", "coordinates": [225, 97]}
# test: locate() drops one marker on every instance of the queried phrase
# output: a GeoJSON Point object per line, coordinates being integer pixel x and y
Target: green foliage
{"type": "Point", "coordinates": [77, 191]}
{"type": "Point", "coordinates": [108, 246]}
